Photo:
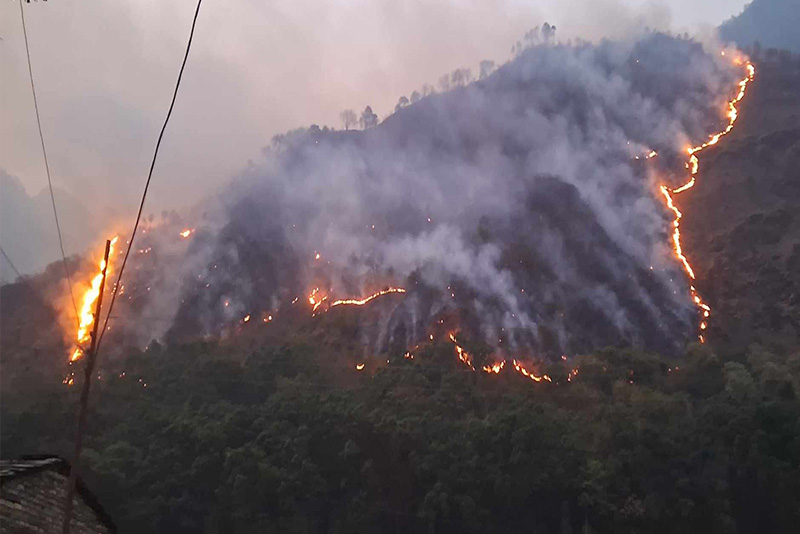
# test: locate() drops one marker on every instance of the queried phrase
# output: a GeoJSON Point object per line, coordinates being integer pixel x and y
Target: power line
{"type": "Point", "coordinates": [149, 177]}
{"type": "Point", "coordinates": [47, 165]}
{"type": "Point", "coordinates": [11, 263]}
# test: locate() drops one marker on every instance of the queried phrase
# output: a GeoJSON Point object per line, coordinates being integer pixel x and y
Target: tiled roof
{"type": "Point", "coordinates": [12, 468]}
{"type": "Point", "coordinates": [32, 463]}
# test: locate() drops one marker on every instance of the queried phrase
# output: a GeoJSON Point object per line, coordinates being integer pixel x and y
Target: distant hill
{"type": "Point", "coordinates": [27, 230]}
{"type": "Point", "coordinates": [772, 23]}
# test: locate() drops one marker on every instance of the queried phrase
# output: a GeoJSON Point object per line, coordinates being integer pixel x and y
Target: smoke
{"type": "Point", "coordinates": [519, 209]}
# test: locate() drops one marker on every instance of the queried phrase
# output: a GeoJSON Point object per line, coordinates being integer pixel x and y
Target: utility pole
{"type": "Point", "coordinates": [87, 382]}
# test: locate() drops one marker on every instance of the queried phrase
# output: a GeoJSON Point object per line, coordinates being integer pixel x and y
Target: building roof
{"type": "Point", "coordinates": [12, 468]}
{"type": "Point", "coordinates": [26, 465]}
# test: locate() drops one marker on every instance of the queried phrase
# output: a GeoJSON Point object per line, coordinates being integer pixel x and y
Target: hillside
{"type": "Point", "coordinates": [743, 218]}
{"type": "Point", "coordinates": [771, 23]}
{"type": "Point", "coordinates": [249, 414]}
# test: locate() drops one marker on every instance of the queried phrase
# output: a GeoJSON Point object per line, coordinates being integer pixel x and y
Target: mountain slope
{"type": "Point", "coordinates": [742, 219]}
{"type": "Point", "coordinates": [772, 23]}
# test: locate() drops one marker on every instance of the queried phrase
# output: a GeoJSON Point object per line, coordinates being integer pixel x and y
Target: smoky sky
{"type": "Point", "coordinates": [105, 71]}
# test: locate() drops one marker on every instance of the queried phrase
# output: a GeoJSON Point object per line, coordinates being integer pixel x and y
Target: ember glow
{"type": "Point", "coordinates": [186, 233]}
{"type": "Point", "coordinates": [693, 164]}
{"type": "Point", "coordinates": [86, 317]}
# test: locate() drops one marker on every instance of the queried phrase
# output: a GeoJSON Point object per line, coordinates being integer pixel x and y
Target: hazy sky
{"type": "Point", "coordinates": [105, 72]}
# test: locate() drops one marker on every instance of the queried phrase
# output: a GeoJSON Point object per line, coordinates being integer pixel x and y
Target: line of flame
{"type": "Point", "coordinates": [497, 367]}
{"type": "Point", "coordinates": [693, 164]}
{"type": "Point", "coordinates": [361, 302]}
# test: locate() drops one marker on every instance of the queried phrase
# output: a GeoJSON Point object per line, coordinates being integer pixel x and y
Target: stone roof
{"type": "Point", "coordinates": [26, 465]}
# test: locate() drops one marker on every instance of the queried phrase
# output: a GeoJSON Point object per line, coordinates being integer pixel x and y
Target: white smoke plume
{"type": "Point", "coordinates": [522, 202]}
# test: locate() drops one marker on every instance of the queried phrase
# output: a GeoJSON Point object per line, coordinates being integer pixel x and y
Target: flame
{"type": "Point", "coordinates": [315, 300]}
{"type": "Point", "coordinates": [494, 368]}
{"type": "Point", "coordinates": [572, 374]}
{"type": "Point", "coordinates": [462, 354]}
{"type": "Point", "coordinates": [497, 367]}
{"type": "Point", "coordinates": [360, 366]}
{"type": "Point", "coordinates": [518, 367]}
{"type": "Point", "coordinates": [361, 302]}
{"type": "Point", "coordinates": [693, 164]}
{"type": "Point", "coordinates": [86, 316]}
{"type": "Point", "coordinates": [186, 233]}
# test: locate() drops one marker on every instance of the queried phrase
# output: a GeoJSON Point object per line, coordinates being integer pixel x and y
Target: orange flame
{"type": "Point", "coordinates": [518, 367]}
{"type": "Point", "coordinates": [693, 164]}
{"type": "Point", "coordinates": [494, 368]}
{"type": "Point", "coordinates": [86, 316]}
{"type": "Point", "coordinates": [186, 233]}
{"type": "Point", "coordinates": [361, 302]}
{"type": "Point", "coordinates": [462, 354]}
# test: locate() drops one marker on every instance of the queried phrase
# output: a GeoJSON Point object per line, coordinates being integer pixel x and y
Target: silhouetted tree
{"type": "Point", "coordinates": [368, 118]}
{"type": "Point", "coordinates": [461, 77]}
{"type": "Point", "coordinates": [427, 89]}
{"type": "Point", "coordinates": [487, 66]}
{"type": "Point", "coordinates": [403, 102]}
{"type": "Point", "coordinates": [349, 118]}
{"type": "Point", "coordinates": [548, 33]}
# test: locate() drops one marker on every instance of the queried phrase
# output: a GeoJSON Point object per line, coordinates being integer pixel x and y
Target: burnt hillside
{"type": "Point", "coordinates": [742, 219]}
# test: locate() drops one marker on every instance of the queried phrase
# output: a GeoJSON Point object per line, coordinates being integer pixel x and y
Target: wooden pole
{"type": "Point", "coordinates": [87, 382]}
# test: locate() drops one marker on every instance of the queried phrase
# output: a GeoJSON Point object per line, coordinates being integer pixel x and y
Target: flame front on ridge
{"type": "Point", "coordinates": [693, 164]}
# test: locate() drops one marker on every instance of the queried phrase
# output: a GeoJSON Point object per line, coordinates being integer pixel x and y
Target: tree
{"type": "Point", "coordinates": [349, 118]}
{"type": "Point", "coordinates": [403, 102]}
{"type": "Point", "coordinates": [368, 118]}
{"type": "Point", "coordinates": [444, 83]}
{"type": "Point", "coordinates": [416, 97]}
{"type": "Point", "coordinates": [532, 36]}
{"type": "Point", "coordinates": [487, 66]}
{"type": "Point", "coordinates": [461, 77]}
{"type": "Point", "coordinates": [548, 33]}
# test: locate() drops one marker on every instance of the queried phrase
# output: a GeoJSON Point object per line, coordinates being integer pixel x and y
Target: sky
{"type": "Point", "coordinates": [105, 72]}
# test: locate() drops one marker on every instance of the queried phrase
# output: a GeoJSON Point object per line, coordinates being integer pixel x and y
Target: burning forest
{"type": "Point", "coordinates": [532, 213]}
{"type": "Point", "coordinates": [561, 295]}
